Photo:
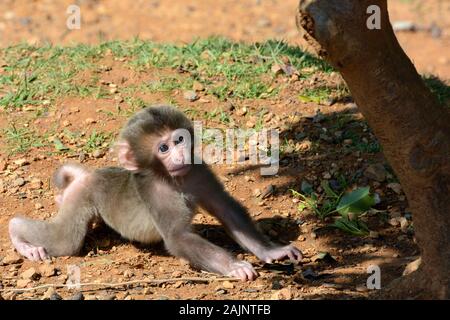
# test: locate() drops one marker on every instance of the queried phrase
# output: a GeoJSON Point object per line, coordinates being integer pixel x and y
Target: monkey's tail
{"type": "Point", "coordinates": [67, 173]}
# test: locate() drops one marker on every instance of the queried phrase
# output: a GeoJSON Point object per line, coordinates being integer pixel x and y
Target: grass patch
{"type": "Point", "coordinates": [32, 75]}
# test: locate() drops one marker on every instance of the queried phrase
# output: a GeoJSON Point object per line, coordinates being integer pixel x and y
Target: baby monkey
{"type": "Point", "coordinates": [152, 197]}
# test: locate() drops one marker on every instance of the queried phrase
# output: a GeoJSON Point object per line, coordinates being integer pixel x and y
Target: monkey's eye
{"type": "Point", "coordinates": [163, 148]}
{"type": "Point", "coordinates": [180, 140]}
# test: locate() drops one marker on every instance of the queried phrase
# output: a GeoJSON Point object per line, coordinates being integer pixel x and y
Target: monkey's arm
{"type": "Point", "coordinates": [211, 195]}
{"type": "Point", "coordinates": [173, 221]}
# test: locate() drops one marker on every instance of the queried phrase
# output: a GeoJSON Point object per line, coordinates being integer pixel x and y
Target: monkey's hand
{"type": "Point", "coordinates": [242, 270]}
{"type": "Point", "coordinates": [280, 253]}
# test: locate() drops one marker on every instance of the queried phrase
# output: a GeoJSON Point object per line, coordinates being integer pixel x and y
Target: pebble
{"type": "Point", "coordinates": [375, 172]}
{"type": "Point", "coordinates": [256, 193]}
{"type": "Point", "coordinates": [90, 121]}
{"type": "Point", "coordinates": [77, 296]}
{"type": "Point", "coordinates": [30, 274]}
{"type": "Point", "coordinates": [326, 175]}
{"type": "Point", "coordinates": [362, 288]}
{"type": "Point", "coordinates": [374, 234]}
{"type": "Point", "coordinates": [12, 258]}
{"type": "Point", "coordinates": [36, 184]}
{"type": "Point", "coordinates": [19, 182]}
{"type": "Point", "coordinates": [47, 270]}
{"type": "Point", "coordinates": [38, 206]}
{"type": "Point", "coordinates": [21, 162]}
{"type": "Point", "coordinates": [241, 112]}
{"type": "Point", "coordinates": [403, 224]}
{"type": "Point", "coordinates": [268, 191]}
{"type": "Point", "coordinates": [190, 95]}
{"type": "Point", "coordinates": [227, 285]}
{"type": "Point", "coordinates": [22, 283]}
{"type": "Point", "coordinates": [55, 296]}
{"type": "Point", "coordinates": [347, 142]}
{"type": "Point", "coordinates": [396, 187]}
{"type": "Point", "coordinates": [48, 294]}
{"type": "Point", "coordinates": [197, 86]}
{"type": "Point", "coordinates": [283, 294]}
{"type": "Point", "coordinates": [98, 153]}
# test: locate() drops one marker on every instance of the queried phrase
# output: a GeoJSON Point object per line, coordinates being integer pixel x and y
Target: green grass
{"type": "Point", "coordinates": [226, 69]}
{"type": "Point", "coordinates": [20, 140]}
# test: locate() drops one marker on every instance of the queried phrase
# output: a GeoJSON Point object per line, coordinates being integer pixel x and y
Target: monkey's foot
{"type": "Point", "coordinates": [280, 253]}
{"type": "Point", "coordinates": [29, 251]}
{"type": "Point", "coordinates": [242, 270]}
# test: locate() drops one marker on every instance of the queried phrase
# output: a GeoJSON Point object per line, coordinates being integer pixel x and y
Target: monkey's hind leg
{"type": "Point", "coordinates": [64, 234]}
{"type": "Point", "coordinates": [61, 236]}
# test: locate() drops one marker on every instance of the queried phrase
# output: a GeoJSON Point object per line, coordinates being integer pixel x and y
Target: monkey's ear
{"type": "Point", "coordinates": [126, 156]}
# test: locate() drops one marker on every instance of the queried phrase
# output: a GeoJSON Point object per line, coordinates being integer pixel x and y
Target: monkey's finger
{"type": "Point", "coordinates": [42, 253]}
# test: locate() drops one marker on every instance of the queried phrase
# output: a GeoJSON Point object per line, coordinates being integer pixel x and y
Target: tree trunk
{"type": "Point", "coordinates": [412, 127]}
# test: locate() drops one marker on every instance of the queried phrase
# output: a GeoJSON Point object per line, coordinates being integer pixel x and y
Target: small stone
{"type": "Point", "coordinates": [374, 234]}
{"type": "Point", "coordinates": [98, 153]}
{"type": "Point", "coordinates": [12, 258]}
{"type": "Point", "coordinates": [362, 288]}
{"type": "Point", "coordinates": [241, 112]}
{"type": "Point", "coordinates": [74, 109]}
{"type": "Point", "coordinates": [276, 69]}
{"type": "Point", "coordinates": [395, 255]}
{"type": "Point", "coordinates": [227, 285]}
{"type": "Point", "coordinates": [283, 294]}
{"type": "Point", "coordinates": [256, 193]}
{"type": "Point", "coordinates": [38, 206]}
{"type": "Point", "coordinates": [347, 142]}
{"type": "Point", "coordinates": [301, 238]}
{"type": "Point", "coordinates": [268, 191]}
{"type": "Point", "coordinates": [48, 294]}
{"type": "Point", "coordinates": [19, 182]}
{"type": "Point", "coordinates": [66, 123]}
{"type": "Point", "coordinates": [55, 296]}
{"type": "Point", "coordinates": [30, 274]}
{"type": "Point", "coordinates": [394, 222]}
{"type": "Point", "coordinates": [47, 270]}
{"type": "Point", "coordinates": [197, 86]}
{"type": "Point", "coordinates": [326, 175]}
{"type": "Point", "coordinates": [403, 224]}
{"type": "Point", "coordinates": [90, 121]}
{"type": "Point", "coordinates": [113, 90]}
{"type": "Point", "coordinates": [77, 296]}
{"type": "Point", "coordinates": [22, 283]}
{"type": "Point", "coordinates": [376, 172]}
{"type": "Point", "coordinates": [396, 187]}
{"type": "Point", "coordinates": [128, 274]}
{"type": "Point", "coordinates": [36, 184]}
{"type": "Point", "coordinates": [412, 266]}
{"type": "Point", "coordinates": [250, 124]}
{"type": "Point", "coordinates": [248, 179]}
{"type": "Point", "coordinates": [313, 235]}
{"type": "Point", "coordinates": [190, 95]}
{"type": "Point", "coordinates": [21, 162]}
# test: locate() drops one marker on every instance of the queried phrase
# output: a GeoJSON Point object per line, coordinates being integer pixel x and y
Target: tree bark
{"type": "Point", "coordinates": [413, 129]}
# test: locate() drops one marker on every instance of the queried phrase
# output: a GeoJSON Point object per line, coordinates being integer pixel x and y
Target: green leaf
{"type": "Point", "coordinates": [326, 186]}
{"type": "Point", "coordinates": [355, 227]}
{"type": "Point", "coordinates": [357, 201]}
{"type": "Point", "coordinates": [59, 145]}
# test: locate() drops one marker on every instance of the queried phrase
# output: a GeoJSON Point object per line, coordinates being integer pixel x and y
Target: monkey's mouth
{"type": "Point", "coordinates": [179, 171]}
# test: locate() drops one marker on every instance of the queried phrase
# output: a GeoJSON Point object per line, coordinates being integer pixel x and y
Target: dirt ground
{"type": "Point", "coordinates": [107, 258]}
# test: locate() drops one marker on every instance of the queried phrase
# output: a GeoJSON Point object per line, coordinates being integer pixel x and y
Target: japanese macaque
{"type": "Point", "coordinates": [152, 197]}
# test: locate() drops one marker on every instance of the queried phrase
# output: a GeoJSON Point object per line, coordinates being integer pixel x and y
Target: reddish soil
{"type": "Point", "coordinates": [108, 258]}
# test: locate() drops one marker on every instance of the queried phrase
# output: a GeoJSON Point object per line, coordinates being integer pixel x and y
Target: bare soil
{"type": "Point", "coordinates": [107, 257]}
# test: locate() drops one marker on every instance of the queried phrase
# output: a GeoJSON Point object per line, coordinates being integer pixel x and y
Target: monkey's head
{"type": "Point", "coordinates": [157, 138]}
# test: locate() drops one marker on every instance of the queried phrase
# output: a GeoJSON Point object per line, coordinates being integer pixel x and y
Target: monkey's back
{"type": "Point", "coordinates": [120, 205]}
